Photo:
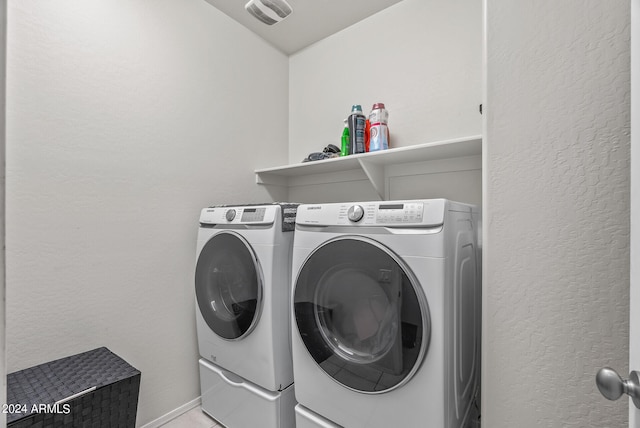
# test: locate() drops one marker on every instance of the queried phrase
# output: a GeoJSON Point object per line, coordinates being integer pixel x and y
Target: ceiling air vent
{"type": "Point", "coordinates": [269, 11]}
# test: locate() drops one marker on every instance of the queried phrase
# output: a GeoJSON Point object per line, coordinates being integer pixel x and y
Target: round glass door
{"type": "Point", "coordinates": [228, 286]}
{"type": "Point", "coordinates": [361, 314]}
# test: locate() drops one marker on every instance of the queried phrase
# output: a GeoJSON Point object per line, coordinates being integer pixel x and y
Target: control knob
{"type": "Point", "coordinates": [355, 213]}
{"type": "Point", "coordinates": [230, 215]}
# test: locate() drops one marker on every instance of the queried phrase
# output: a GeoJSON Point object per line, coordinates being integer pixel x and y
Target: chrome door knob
{"type": "Point", "coordinates": [612, 386]}
{"type": "Point", "coordinates": [355, 213]}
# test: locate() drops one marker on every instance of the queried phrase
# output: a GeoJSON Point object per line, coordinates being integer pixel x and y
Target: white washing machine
{"type": "Point", "coordinates": [242, 287]}
{"type": "Point", "coordinates": [386, 308]}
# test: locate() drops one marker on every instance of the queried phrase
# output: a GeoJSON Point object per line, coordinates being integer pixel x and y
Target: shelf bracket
{"type": "Point", "coordinates": [266, 178]}
{"type": "Point", "coordinates": [375, 174]}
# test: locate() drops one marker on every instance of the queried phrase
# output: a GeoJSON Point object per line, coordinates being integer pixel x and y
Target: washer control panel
{"type": "Point", "coordinates": [408, 213]}
{"type": "Point", "coordinates": [400, 213]}
{"type": "Point", "coordinates": [383, 214]}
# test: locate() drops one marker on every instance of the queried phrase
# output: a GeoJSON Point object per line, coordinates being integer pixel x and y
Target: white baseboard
{"type": "Point", "coordinates": [173, 414]}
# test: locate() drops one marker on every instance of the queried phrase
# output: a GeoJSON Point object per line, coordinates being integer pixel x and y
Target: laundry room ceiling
{"type": "Point", "coordinates": [310, 21]}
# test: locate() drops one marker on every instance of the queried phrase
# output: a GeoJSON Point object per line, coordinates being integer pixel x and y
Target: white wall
{"type": "Point", "coordinates": [124, 119]}
{"type": "Point", "coordinates": [422, 58]}
{"type": "Point", "coordinates": [556, 211]}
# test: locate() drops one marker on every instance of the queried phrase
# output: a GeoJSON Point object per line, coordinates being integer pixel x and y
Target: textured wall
{"type": "Point", "coordinates": [125, 118]}
{"type": "Point", "coordinates": [634, 317]}
{"type": "Point", "coordinates": [557, 211]}
{"type": "Point", "coordinates": [422, 58]}
{"type": "Point", "coordinates": [3, 53]}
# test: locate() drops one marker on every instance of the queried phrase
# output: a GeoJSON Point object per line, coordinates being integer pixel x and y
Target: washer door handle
{"type": "Point", "coordinates": [612, 386]}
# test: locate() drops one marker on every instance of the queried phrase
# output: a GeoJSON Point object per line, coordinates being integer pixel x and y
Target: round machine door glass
{"type": "Point", "coordinates": [228, 286]}
{"type": "Point", "coordinates": [361, 314]}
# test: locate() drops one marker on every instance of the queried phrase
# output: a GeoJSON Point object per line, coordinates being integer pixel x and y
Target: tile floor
{"type": "Point", "coordinates": [194, 418]}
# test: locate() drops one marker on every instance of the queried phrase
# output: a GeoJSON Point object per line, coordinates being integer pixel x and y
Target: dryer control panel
{"type": "Point", "coordinates": [238, 215]}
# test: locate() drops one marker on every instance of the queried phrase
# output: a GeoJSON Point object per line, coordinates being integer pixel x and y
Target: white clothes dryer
{"type": "Point", "coordinates": [386, 308]}
{"type": "Point", "coordinates": [242, 288]}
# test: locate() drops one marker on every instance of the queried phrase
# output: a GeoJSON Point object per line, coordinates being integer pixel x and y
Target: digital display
{"type": "Point", "coordinates": [252, 214]}
{"type": "Point", "coordinates": [399, 213]}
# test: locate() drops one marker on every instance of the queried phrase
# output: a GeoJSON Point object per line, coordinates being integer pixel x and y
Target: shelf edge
{"type": "Point", "coordinates": [355, 161]}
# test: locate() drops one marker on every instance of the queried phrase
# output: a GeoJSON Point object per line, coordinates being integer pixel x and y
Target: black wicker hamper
{"type": "Point", "coordinates": [92, 389]}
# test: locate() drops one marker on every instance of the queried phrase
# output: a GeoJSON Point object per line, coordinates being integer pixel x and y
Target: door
{"type": "Point", "coordinates": [361, 314]}
{"type": "Point", "coordinates": [229, 285]}
{"type": "Point", "coordinates": [634, 320]}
